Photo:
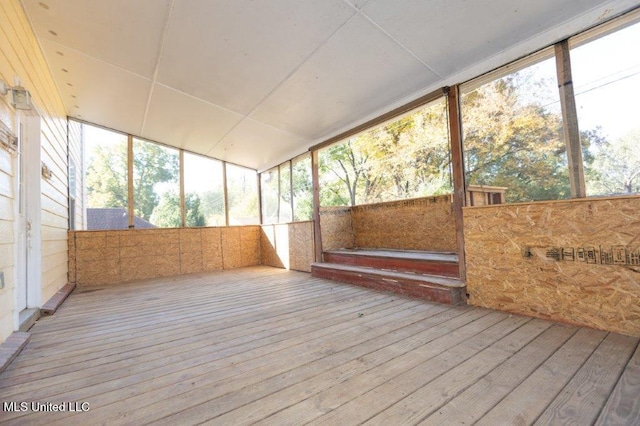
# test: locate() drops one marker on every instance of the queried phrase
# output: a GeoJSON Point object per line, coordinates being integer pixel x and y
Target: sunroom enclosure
{"type": "Point", "coordinates": [512, 196]}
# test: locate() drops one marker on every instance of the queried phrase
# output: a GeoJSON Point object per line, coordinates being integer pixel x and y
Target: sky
{"type": "Point", "coordinates": [606, 78]}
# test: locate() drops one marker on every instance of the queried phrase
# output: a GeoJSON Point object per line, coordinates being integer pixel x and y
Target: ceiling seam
{"type": "Point", "coordinates": [155, 71]}
{"type": "Point", "coordinates": [375, 24]}
{"type": "Point", "coordinates": [284, 80]}
{"type": "Point", "coordinates": [242, 116]}
{"type": "Point", "coordinates": [80, 52]}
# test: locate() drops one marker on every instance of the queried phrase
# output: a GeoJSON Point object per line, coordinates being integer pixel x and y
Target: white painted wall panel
{"type": "Point", "coordinates": [20, 55]}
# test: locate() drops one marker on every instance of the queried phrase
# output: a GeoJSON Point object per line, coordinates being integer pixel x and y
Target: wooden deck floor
{"type": "Point", "coordinates": [268, 346]}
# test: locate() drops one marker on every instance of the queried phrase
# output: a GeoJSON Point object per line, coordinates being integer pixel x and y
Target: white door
{"type": "Point", "coordinates": [21, 225]}
{"type": "Point", "coordinates": [27, 231]}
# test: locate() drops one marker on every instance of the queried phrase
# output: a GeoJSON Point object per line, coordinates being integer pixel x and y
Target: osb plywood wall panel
{"type": "Point", "coordinates": [288, 246]}
{"type": "Point", "coordinates": [301, 246]}
{"type": "Point", "coordinates": [108, 257]}
{"type": "Point", "coordinates": [575, 261]}
{"type": "Point", "coordinates": [416, 224]}
{"type": "Point", "coordinates": [268, 247]}
{"type": "Point", "coordinates": [336, 228]}
{"type": "Point", "coordinates": [20, 56]}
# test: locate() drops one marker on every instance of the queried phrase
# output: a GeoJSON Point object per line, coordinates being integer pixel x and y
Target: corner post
{"type": "Point", "coordinates": [457, 164]}
{"type": "Point", "coordinates": [315, 176]}
{"type": "Point", "coordinates": [570, 120]}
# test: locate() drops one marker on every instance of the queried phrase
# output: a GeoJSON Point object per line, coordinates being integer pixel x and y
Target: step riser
{"type": "Point", "coordinates": [405, 287]}
{"type": "Point", "coordinates": [445, 269]}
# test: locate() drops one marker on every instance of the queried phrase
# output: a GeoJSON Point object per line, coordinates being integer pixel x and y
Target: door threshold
{"type": "Point", "coordinates": [28, 317]}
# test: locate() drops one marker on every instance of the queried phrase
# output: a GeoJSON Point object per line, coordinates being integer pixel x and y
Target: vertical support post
{"type": "Point", "coordinates": [260, 215]}
{"type": "Point", "coordinates": [279, 197]}
{"type": "Point", "coordinates": [226, 193]}
{"type": "Point", "coordinates": [291, 188]}
{"type": "Point", "coordinates": [183, 208]}
{"type": "Point", "coordinates": [315, 176]}
{"type": "Point", "coordinates": [455, 134]}
{"type": "Point", "coordinates": [130, 206]}
{"type": "Point", "coordinates": [570, 120]}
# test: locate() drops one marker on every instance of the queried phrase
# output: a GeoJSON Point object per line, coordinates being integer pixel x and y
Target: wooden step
{"type": "Point", "coordinates": [424, 262]}
{"type": "Point", "coordinates": [54, 303]}
{"type": "Point", "coordinates": [450, 291]}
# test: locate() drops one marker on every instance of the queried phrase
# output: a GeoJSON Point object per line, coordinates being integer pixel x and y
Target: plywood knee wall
{"type": "Point", "coordinates": [110, 257]}
{"type": "Point", "coordinates": [576, 261]}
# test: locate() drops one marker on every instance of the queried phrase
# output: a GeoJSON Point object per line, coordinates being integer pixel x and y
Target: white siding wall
{"type": "Point", "coordinates": [20, 55]}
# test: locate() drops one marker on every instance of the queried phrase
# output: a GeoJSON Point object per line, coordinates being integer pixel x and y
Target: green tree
{"type": "Point", "coordinates": [107, 176]}
{"type": "Point", "coordinates": [152, 165]}
{"type": "Point", "coordinates": [616, 166]}
{"type": "Point", "coordinates": [167, 213]}
{"type": "Point", "coordinates": [513, 141]}
{"type": "Point", "coordinates": [302, 190]}
{"type": "Point", "coordinates": [407, 158]}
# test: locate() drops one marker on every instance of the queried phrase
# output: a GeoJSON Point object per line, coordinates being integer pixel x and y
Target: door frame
{"type": "Point", "coordinates": [28, 262]}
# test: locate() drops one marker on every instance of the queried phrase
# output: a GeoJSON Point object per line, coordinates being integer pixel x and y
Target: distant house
{"type": "Point", "coordinates": [113, 218]}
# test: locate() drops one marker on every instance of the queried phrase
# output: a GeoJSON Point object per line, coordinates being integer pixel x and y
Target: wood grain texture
{"type": "Point", "coordinates": [510, 263]}
{"type": "Point", "coordinates": [623, 406]}
{"type": "Point", "coordinates": [445, 290]}
{"type": "Point", "coordinates": [443, 264]}
{"type": "Point", "coordinates": [263, 345]}
{"type": "Point", "coordinates": [469, 406]}
{"type": "Point", "coordinates": [416, 224]}
{"type": "Point", "coordinates": [112, 257]}
{"type": "Point", "coordinates": [288, 245]}
{"type": "Point", "coordinates": [584, 396]}
{"type": "Point", "coordinates": [524, 404]}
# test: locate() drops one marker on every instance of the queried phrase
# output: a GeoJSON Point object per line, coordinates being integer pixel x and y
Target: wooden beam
{"type": "Point", "coordinates": [423, 100]}
{"type": "Point", "coordinates": [455, 135]}
{"type": "Point", "coordinates": [225, 193]}
{"type": "Point", "coordinates": [183, 208]}
{"type": "Point", "coordinates": [260, 215]}
{"type": "Point", "coordinates": [130, 201]}
{"type": "Point", "coordinates": [278, 197]}
{"type": "Point", "coordinates": [315, 175]}
{"type": "Point", "coordinates": [291, 189]}
{"type": "Point", "coordinates": [570, 120]}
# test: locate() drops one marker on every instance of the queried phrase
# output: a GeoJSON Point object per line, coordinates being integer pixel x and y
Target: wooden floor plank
{"type": "Point", "coordinates": [283, 403]}
{"type": "Point", "coordinates": [333, 347]}
{"type": "Point", "coordinates": [154, 363]}
{"type": "Point", "coordinates": [526, 402]}
{"type": "Point", "coordinates": [456, 333]}
{"type": "Point", "coordinates": [581, 401]}
{"type": "Point", "coordinates": [421, 403]}
{"type": "Point", "coordinates": [623, 406]}
{"type": "Point", "coordinates": [223, 364]}
{"type": "Point", "coordinates": [114, 357]}
{"type": "Point", "coordinates": [98, 353]}
{"type": "Point", "coordinates": [383, 396]}
{"type": "Point", "coordinates": [262, 345]}
{"type": "Point", "coordinates": [473, 403]}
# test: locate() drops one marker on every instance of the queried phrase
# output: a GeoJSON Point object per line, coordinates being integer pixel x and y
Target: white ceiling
{"type": "Point", "coordinates": [256, 82]}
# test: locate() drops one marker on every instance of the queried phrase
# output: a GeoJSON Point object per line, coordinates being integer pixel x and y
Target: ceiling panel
{"type": "Point", "coordinates": [123, 33]}
{"type": "Point", "coordinates": [358, 3]}
{"type": "Point", "coordinates": [234, 52]}
{"type": "Point", "coordinates": [450, 35]}
{"type": "Point", "coordinates": [309, 68]}
{"type": "Point", "coordinates": [186, 122]}
{"type": "Point", "coordinates": [257, 146]}
{"type": "Point", "coordinates": [359, 71]}
{"type": "Point", "coordinates": [97, 92]}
